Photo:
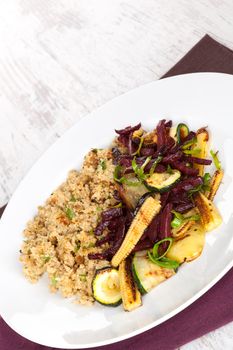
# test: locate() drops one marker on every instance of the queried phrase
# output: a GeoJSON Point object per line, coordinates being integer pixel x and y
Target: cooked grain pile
{"type": "Point", "coordinates": [61, 235]}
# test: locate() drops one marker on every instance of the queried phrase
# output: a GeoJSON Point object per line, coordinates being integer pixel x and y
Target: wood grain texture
{"type": "Point", "coordinates": [60, 59]}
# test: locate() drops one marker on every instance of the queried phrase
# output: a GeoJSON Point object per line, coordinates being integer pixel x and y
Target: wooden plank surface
{"type": "Point", "coordinates": [60, 59]}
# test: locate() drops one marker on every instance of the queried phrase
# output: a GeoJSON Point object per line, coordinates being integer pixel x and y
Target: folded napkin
{"type": "Point", "coordinates": [215, 308]}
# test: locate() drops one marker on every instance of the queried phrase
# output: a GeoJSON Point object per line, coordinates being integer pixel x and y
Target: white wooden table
{"type": "Point", "coordinates": [60, 59]}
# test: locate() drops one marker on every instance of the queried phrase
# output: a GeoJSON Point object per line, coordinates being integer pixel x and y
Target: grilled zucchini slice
{"type": "Point", "coordinates": [131, 296]}
{"type": "Point", "coordinates": [106, 286]}
{"type": "Point", "coordinates": [210, 217]}
{"type": "Point", "coordinates": [186, 226]}
{"type": "Point", "coordinates": [130, 195]}
{"type": "Point", "coordinates": [146, 274]}
{"type": "Point", "coordinates": [201, 145]}
{"type": "Point", "coordinates": [163, 182]}
{"type": "Point", "coordinates": [183, 229]}
{"type": "Point", "coordinates": [188, 247]}
{"type": "Point", "coordinates": [182, 131]}
{"type": "Point", "coordinates": [143, 218]}
{"type": "Point", "coordinates": [215, 183]}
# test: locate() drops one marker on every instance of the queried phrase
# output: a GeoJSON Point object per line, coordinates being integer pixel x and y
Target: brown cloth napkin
{"type": "Point", "coordinates": [215, 308]}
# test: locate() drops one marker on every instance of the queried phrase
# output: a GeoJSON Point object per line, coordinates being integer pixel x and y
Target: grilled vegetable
{"type": "Point", "coordinates": [201, 146]}
{"type": "Point", "coordinates": [131, 296]}
{"type": "Point", "coordinates": [183, 222]}
{"type": "Point", "coordinates": [182, 132]}
{"type": "Point", "coordinates": [130, 195]}
{"type": "Point", "coordinates": [106, 286]}
{"type": "Point", "coordinates": [150, 138]}
{"type": "Point", "coordinates": [216, 160]}
{"type": "Point", "coordinates": [163, 182]}
{"type": "Point", "coordinates": [158, 257]}
{"type": "Point", "coordinates": [210, 217]}
{"type": "Point", "coordinates": [215, 183]}
{"type": "Point", "coordinates": [172, 133]}
{"type": "Point", "coordinates": [146, 274]}
{"type": "Point", "coordinates": [146, 213]}
{"type": "Point", "coordinates": [137, 134]}
{"type": "Point", "coordinates": [183, 229]}
{"type": "Point", "coordinates": [188, 247]}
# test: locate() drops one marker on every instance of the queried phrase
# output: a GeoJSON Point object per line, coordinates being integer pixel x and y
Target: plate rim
{"type": "Point", "coordinates": [178, 309]}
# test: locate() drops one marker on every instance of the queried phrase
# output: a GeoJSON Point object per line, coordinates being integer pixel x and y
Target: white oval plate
{"type": "Point", "coordinates": [198, 99]}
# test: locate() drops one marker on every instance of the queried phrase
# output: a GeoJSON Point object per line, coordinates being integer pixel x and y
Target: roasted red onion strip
{"type": "Point", "coordinates": [198, 160]}
{"type": "Point", "coordinates": [128, 129]}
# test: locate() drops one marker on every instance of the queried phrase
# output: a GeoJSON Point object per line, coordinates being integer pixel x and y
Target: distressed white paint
{"type": "Point", "coordinates": [60, 59]}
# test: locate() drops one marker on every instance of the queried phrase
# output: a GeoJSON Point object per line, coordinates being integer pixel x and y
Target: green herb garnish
{"type": "Point", "coordinates": [46, 258]}
{"type": "Point", "coordinates": [189, 143]}
{"type": "Point", "coordinates": [203, 187]}
{"type": "Point", "coordinates": [123, 179]}
{"type": "Point", "coordinates": [206, 182]}
{"type": "Point", "coordinates": [217, 162]}
{"type": "Point", "coordinates": [176, 222]}
{"type": "Point", "coordinates": [152, 169]}
{"type": "Point", "coordinates": [70, 213]}
{"type": "Point", "coordinates": [72, 198]}
{"type": "Point", "coordinates": [83, 277]}
{"type": "Point", "coordinates": [90, 245]}
{"type": "Point", "coordinates": [148, 159]}
{"type": "Point", "coordinates": [54, 280]}
{"type": "Point", "coordinates": [179, 219]}
{"type": "Point", "coordinates": [161, 260]}
{"type": "Point", "coordinates": [139, 147]}
{"type": "Point", "coordinates": [139, 171]}
{"type": "Point", "coordinates": [192, 152]}
{"type": "Point", "coordinates": [103, 164]}
{"type": "Point", "coordinates": [156, 247]}
{"type": "Point", "coordinates": [77, 247]}
{"type": "Point", "coordinates": [164, 262]}
{"type": "Point", "coordinates": [169, 169]}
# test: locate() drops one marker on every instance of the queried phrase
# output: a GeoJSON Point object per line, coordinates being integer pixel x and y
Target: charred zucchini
{"type": "Point", "coordinates": [130, 195]}
{"type": "Point", "coordinates": [210, 217]}
{"type": "Point", "coordinates": [189, 219]}
{"type": "Point", "coordinates": [188, 247]}
{"type": "Point", "coordinates": [131, 296]}
{"type": "Point", "coordinates": [163, 182]}
{"type": "Point", "coordinates": [106, 286]}
{"type": "Point", "coordinates": [143, 218]}
{"type": "Point", "coordinates": [146, 274]}
{"type": "Point", "coordinates": [183, 229]}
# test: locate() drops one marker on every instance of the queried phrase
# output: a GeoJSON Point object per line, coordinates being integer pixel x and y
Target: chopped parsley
{"type": "Point", "coordinates": [54, 280]}
{"type": "Point", "coordinates": [90, 245]}
{"type": "Point", "coordinates": [70, 213]}
{"type": "Point", "coordinates": [46, 258]}
{"type": "Point", "coordinates": [77, 247]}
{"type": "Point", "coordinates": [73, 199]}
{"type": "Point", "coordinates": [103, 164]}
{"type": "Point", "coordinates": [83, 277]}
